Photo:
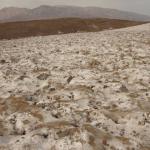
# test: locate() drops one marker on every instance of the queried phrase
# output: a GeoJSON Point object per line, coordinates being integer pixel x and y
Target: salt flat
{"type": "Point", "coordinates": [82, 91]}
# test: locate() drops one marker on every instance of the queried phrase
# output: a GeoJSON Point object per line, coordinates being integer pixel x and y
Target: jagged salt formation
{"type": "Point", "coordinates": [84, 91]}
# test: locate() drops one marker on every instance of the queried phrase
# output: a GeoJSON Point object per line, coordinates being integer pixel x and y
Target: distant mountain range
{"type": "Point", "coordinates": [12, 14]}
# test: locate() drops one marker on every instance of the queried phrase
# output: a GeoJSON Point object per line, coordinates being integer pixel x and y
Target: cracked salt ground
{"type": "Point", "coordinates": [84, 91]}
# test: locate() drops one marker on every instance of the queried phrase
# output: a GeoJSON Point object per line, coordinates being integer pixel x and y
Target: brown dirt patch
{"type": "Point", "coordinates": [60, 26]}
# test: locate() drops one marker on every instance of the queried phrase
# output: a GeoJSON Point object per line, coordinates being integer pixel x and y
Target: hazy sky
{"type": "Point", "coordinates": [140, 6]}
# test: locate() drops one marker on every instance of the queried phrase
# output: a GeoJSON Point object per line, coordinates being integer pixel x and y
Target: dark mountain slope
{"type": "Point", "coordinates": [59, 26]}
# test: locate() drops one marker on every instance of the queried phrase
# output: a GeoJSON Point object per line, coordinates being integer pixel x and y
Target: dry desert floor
{"type": "Point", "coordinates": [81, 91]}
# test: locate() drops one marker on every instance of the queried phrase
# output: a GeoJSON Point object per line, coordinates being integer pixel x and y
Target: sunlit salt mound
{"type": "Point", "coordinates": [144, 27]}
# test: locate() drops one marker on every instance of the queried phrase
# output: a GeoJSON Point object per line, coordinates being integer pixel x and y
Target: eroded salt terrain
{"type": "Point", "coordinates": [84, 91]}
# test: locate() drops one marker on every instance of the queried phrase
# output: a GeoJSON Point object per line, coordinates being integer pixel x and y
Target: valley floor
{"type": "Point", "coordinates": [82, 91]}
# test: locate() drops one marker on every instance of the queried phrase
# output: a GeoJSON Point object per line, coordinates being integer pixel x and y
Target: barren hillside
{"type": "Point", "coordinates": [60, 26]}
